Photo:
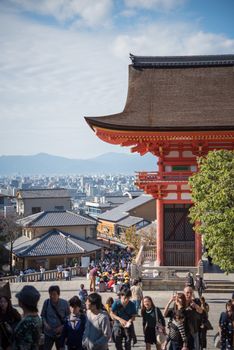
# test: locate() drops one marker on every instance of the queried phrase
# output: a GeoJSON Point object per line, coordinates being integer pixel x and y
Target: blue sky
{"type": "Point", "coordinates": [61, 60]}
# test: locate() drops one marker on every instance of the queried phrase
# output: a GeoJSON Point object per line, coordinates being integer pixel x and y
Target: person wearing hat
{"type": "Point", "coordinates": [28, 331]}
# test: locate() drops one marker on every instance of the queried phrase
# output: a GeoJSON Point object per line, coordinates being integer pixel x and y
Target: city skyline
{"type": "Point", "coordinates": [63, 60]}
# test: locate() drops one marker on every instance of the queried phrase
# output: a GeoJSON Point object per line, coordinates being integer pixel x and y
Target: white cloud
{"type": "Point", "coordinates": [156, 5]}
{"type": "Point", "coordinates": [86, 12]}
{"type": "Point", "coordinates": [51, 78]}
{"type": "Point", "coordinates": [171, 39]}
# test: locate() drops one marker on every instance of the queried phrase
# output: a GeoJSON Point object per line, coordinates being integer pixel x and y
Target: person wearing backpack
{"type": "Point", "coordinates": [54, 313]}
{"type": "Point", "coordinates": [123, 312]}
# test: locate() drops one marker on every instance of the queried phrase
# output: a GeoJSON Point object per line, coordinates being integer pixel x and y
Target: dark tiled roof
{"type": "Point", "coordinates": [178, 61]}
{"type": "Point", "coordinates": [52, 243]}
{"type": "Point", "coordinates": [55, 219]}
{"type": "Point", "coordinates": [187, 98]}
{"type": "Point", "coordinates": [121, 212]}
{"type": "Point", "coordinates": [44, 193]}
{"type": "Point", "coordinates": [130, 221]}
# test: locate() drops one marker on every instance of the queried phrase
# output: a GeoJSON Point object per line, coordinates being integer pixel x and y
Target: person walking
{"type": "Point", "coordinates": [199, 285]}
{"type": "Point", "coordinates": [9, 318]}
{"type": "Point", "coordinates": [226, 322]}
{"type": "Point", "coordinates": [42, 273]}
{"type": "Point", "coordinates": [137, 294]}
{"type": "Point", "coordinates": [193, 319]}
{"type": "Point", "coordinates": [205, 323]}
{"type": "Point", "coordinates": [54, 313]}
{"type": "Point", "coordinates": [123, 313]}
{"type": "Point", "coordinates": [151, 315]}
{"type": "Point", "coordinates": [83, 295]}
{"type": "Point", "coordinates": [92, 276]}
{"type": "Point", "coordinates": [176, 336]}
{"type": "Point", "coordinates": [27, 333]}
{"type": "Point", "coordinates": [74, 326]}
{"type": "Point", "coordinates": [97, 328]}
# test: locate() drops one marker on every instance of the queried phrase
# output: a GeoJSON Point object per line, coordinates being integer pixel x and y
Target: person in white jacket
{"type": "Point", "coordinates": [97, 328]}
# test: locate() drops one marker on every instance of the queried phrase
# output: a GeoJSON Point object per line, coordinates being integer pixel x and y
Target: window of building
{"type": "Point", "coordinates": [59, 207]}
{"type": "Point", "coordinates": [36, 210]}
{"type": "Point", "coordinates": [181, 168]}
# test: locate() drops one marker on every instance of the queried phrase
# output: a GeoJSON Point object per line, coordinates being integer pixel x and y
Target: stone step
{"type": "Point", "coordinates": [216, 286]}
{"type": "Point", "coordinates": [220, 285]}
{"type": "Point", "coordinates": [219, 291]}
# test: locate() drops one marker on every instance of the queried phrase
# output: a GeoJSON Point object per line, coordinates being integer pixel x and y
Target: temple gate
{"type": "Point", "coordinates": [177, 108]}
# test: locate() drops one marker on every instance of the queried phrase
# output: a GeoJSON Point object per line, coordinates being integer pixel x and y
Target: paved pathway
{"type": "Point", "coordinates": [69, 288]}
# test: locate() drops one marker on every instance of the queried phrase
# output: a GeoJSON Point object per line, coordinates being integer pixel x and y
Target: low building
{"type": "Point", "coordinates": [50, 238]}
{"type": "Point", "coordinates": [53, 248]}
{"type": "Point", "coordinates": [138, 213]}
{"type": "Point", "coordinates": [37, 200]}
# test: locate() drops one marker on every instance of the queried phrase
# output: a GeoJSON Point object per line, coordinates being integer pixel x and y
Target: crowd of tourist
{"type": "Point", "coordinates": [84, 323]}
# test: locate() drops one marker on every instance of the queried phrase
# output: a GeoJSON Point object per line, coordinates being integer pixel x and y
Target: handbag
{"type": "Point", "coordinates": [217, 342]}
{"type": "Point", "coordinates": [160, 335]}
{"type": "Point", "coordinates": [207, 325]}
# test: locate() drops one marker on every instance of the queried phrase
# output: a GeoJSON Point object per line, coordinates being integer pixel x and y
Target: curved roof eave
{"type": "Point", "coordinates": [96, 122]}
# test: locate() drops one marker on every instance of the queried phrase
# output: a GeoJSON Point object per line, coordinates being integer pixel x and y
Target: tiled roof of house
{"type": "Point", "coordinates": [130, 221]}
{"type": "Point", "coordinates": [188, 93]}
{"type": "Point", "coordinates": [121, 212]}
{"type": "Point", "coordinates": [56, 218]}
{"type": "Point", "coordinates": [54, 242]}
{"type": "Point", "coordinates": [44, 193]}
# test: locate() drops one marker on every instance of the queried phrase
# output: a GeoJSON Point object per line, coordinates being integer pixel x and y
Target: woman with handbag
{"type": "Point", "coordinates": [9, 318]}
{"type": "Point", "coordinates": [226, 322]}
{"type": "Point", "coordinates": [205, 323]}
{"type": "Point", "coordinates": [153, 324]}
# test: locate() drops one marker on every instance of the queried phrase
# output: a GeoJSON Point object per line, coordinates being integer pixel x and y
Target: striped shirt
{"type": "Point", "coordinates": [177, 332]}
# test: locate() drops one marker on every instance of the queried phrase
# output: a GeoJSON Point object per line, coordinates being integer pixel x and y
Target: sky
{"type": "Point", "coordinates": [61, 60]}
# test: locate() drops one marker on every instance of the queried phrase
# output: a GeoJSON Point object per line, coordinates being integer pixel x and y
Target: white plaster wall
{"type": "Point", "coordinates": [173, 154]}
{"type": "Point", "coordinates": [171, 196]}
{"type": "Point", "coordinates": [186, 196]}
{"type": "Point", "coordinates": [187, 154]}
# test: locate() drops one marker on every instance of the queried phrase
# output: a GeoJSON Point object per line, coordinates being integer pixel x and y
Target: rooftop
{"type": "Point", "coordinates": [185, 61]}
{"type": "Point", "coordinates": [187, 93]}
{"type": "Point", "coordinates": [52, 243]}
{"type": "Point", "coordinates": [44, 193]}
{"type": "Point", "coordinates": [121, 212]}
{"type": "Point", "coordinates": [55, 219]}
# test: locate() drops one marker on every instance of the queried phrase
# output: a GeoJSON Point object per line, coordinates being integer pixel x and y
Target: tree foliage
{"type": "Point", "coordinates": [135, 239]}
{"type": "Point", "coordinates": [131, 238]}
{"type": "Point", "coordinates": [213, 210]}
{"type": "Point", "coordinates": [9, 232]}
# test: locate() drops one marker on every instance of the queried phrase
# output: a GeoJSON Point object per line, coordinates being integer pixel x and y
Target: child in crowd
{"type": "Point", "coordinates": [83, 295]}
{"type": "Point", "coordinates": [74, 326]}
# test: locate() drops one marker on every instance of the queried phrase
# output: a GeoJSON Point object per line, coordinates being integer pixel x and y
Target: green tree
{"type": "Point", "coordinates": [131, 238]}
{"type": "Point", "coordinates": [9, 232]}
{"type": "Point", "coordinates": [213, 210]}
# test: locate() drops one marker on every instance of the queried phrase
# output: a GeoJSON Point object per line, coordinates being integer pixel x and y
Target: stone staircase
{"type": "Point", "coordinates": [217, 286]}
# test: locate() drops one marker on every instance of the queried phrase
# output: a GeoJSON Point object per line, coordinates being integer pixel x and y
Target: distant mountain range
{"type": "Point", "coordinates": [45, 164]}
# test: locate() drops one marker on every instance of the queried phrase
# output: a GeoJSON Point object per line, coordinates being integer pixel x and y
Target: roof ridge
{"type": "Point", "coordinates": [178, 61]}
{"type": "Point", "coordinates": [68, 235]}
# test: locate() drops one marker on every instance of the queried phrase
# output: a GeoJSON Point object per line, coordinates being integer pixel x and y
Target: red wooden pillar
{"type": "Point", "coordinates": [198, 248]}
{"type": "Point", "coordinates": [160, 232]}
